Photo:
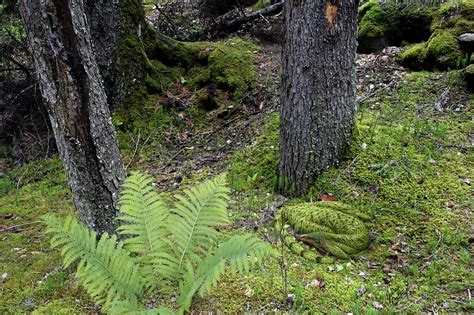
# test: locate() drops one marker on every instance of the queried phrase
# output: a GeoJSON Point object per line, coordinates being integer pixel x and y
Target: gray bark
{"type": "Point", "coordinates": [74, 95]}
{"type": "Point", "coordinates": [122, 67]}
{"type": "Point", "coordinates": [318, 92]}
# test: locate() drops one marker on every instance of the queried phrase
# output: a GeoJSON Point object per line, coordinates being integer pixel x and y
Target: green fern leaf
{"type": "Point", "coordinates": [143, 216]}
{"type": "Point", "coordinates": [240, 253]}
{"type": "Point", "coordinates": [106, 270]}
{"type": "Point", "coordinates": [197, 213]}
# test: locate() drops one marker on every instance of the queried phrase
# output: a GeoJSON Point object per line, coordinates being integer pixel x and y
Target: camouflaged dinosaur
{"type": "Point", "coordinates": [336, 226]}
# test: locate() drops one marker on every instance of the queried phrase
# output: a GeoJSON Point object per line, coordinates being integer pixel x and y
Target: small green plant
{"type": "Point", "coordinates": [171, 251]}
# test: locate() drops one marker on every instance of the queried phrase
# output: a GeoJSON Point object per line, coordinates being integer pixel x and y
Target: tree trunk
{"type": "Point", "coordinates": [318, 93]}
{"type": "Point", "coordinates": [118, 29]}
{"type": "Point", "coordinates": [74, 95]}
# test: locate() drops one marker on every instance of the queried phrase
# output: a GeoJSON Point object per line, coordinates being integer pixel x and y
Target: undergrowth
{"type": "Point", "coordinates": [409, 166]}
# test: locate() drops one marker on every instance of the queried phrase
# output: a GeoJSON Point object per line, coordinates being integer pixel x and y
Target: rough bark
{"type": "Point", "coordinates": [318, 92]}
{"type": "Point", "coordinates": [117, 29]}
{"type": "Point", "coordinates": [74, 95]}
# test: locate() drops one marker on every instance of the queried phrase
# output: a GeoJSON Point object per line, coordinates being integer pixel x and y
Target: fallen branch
{"type": "Point", "coordinates": [237, 22]}
{"type": "Point", "coordinates": [14, 227]}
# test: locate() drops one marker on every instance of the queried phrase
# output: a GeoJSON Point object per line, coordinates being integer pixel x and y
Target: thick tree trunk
{"type": "Point", "coordinates": [118, 29]}
{"type": "Point", "coordinates": [77, 105]}
{"type": "Point", "coordinates": [318, 93]}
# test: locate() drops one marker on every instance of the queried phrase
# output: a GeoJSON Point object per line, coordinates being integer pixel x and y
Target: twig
{"type": "Point", "coordinates": [170, 22]}
{"type": "Point", "coordinates": [19, 225]}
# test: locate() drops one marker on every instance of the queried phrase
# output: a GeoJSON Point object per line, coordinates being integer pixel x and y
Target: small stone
{"type": "Point", "coordinates": [363, 146]}
{"type": "Point", "coordinates": [4, 276]}
{"type": "Point", "coordinates": [295, 265]}
{"type": "Point", "coordinates": [467, 181]}
{"type": "Point", "coordinates": [355, 194]}
{"type": "Point", "coordinates": [248, 292]}
{"type": "Point", "coordinates": [433, 162]}
{"type": "Point", "coordinates": [362, 274]}
{"type": "Point", "coordinates": [314, 284]}
{"type": "Point", "coordinates": [361, 291]}
{"type": "Point", "coordinates": [371, 87]}
{"type": "Point", "coordinates": [377, 305]}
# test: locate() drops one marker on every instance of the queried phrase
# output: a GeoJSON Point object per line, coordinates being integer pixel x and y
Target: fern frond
{"type": "Point", "coordinates": [143, 216]}
{"type": "Point", "coordinates": [239, 253]}
{"type": "Point", "coordinates": [198, 211]}
{"type": "Point", "coordinates": [106, 270]}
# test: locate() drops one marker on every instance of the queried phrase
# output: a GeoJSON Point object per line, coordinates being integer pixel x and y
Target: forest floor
{"type": "Point", "coordinates": [409, 167]}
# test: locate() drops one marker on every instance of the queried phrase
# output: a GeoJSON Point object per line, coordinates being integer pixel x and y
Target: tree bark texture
{"type": "Point", "coordinates": [117, 29]}
{"type": "Point", "coordinates": [318, 89]}
{"type": "Point", "coordinates": [70, 83]}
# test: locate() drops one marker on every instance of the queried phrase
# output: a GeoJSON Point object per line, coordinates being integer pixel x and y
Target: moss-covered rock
{"type": "Point", "coordinates": [232, 66]}
{"type": "Point", "coordinates": [381, 25]}
{"type": "Point", "coordinates": [414, 57]}
{"type": "Point", "coordinates": [442, 50]}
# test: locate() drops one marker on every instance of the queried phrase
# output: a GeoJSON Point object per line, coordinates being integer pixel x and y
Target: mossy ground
{"type": "Point", "coordinates": [412, 175]}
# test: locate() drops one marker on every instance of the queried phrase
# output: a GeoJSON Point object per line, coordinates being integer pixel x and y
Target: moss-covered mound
{"type": "Point", "coordinates": [388, 24]}
{"type": "Point", "coordinates": [213, 72]}
{"type": "Point", "coordinates": [442, 50]}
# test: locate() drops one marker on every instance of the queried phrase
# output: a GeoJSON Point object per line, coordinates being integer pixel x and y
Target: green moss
{"type": "Point", "coordinates": [363, 9]}
{"type": "Point", "coordinates": [373, 22]}
{"type": "Point", "coordinates": [414, 57]}
{"type": "Point", "coordinates": [34, 273]}
{"type": "Point", "coordinates": [260, 158]}
{"type": "Point", "coordinates": [232, 66]}
{"type": "Point", "coordinates": [458, 16]}
{"type": "Point", "coordinates": [55, 308]}
{"type": "Point", "coordinates": [411, 177]}
{"type": "Point", "coordinates": [386, 24]}
{"type": "Point", "coordinates": [443, 48]}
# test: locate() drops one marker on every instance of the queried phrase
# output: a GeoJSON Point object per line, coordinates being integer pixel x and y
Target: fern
{"type": "Point", "coordinates": [143, 216]}
{"type": "Point", "coordinates": [197, 213]}
{"type": "Point", "coordinates": [161, 246]}
{"type": "Point", "coordinates": [240, 253]}
{"type": "Point", "coordinates": [105, 269]}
